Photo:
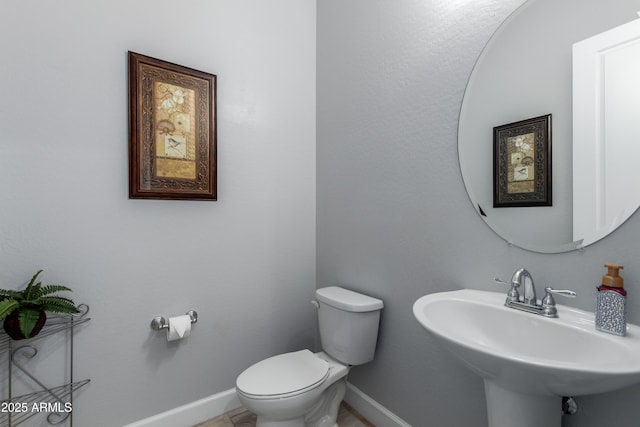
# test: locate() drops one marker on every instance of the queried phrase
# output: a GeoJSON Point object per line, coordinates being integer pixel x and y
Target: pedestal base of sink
{"type": "Point", "coordinates": [506, 408]}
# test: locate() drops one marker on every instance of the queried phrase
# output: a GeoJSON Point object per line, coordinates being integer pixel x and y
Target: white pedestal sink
{"type": "Point", "coordinates": [529, 361]}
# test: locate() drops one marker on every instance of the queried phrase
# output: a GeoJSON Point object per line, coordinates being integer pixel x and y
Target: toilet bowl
{"type": "Point", "coordinates": [298, 389]}
{"type": "Point", "coordinates": [303, 389]}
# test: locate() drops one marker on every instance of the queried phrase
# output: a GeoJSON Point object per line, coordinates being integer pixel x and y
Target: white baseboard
{"type": "Point", "coordinates": [374, 412]}
{"type": "Point", "coordinates": [194, 412]}
{"type": "Point", "coordinates": [218, 404]}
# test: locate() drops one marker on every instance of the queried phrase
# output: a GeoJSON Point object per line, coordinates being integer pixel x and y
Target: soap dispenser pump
{"type": "Point", "coordinates": [611, 302]}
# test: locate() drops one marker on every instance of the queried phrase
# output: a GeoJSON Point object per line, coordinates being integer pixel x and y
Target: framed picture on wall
{"type": "Point", "coordinates": [522, 163]}
{"type": "Point", "coordinates": [172, 131]}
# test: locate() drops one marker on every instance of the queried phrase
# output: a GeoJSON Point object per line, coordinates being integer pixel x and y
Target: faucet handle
{"type": "Point", "coordinates": [500, 281]}
{"type": "Point", "coordinates": [564, 292]}
{"type": "Point", "coordinates": [513, 294]}
{"type": "Point", "coordinates": [549, 304]}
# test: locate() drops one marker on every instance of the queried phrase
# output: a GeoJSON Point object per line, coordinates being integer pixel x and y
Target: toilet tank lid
{"type": "Point", "coordinates": [347, 300]}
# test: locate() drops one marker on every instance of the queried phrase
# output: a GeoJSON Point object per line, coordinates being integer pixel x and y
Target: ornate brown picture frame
{"type": "Point", "coordinates": [172, 131]}
{"type": "Point", "coordinates": [522, 163]}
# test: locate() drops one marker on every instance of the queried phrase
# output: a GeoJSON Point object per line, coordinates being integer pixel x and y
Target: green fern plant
{"type": "Point", "coordinates": [32, 301]}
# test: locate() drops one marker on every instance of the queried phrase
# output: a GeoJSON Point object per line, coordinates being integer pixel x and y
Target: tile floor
{"type": "Point", "coordinates": [347, 417]}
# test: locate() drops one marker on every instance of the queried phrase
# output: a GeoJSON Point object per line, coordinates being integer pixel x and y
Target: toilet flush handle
{"type": "Point", "coordinates": [315, 303]}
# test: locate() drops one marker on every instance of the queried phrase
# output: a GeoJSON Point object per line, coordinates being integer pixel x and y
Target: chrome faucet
{"type": "Point", "coordinates": [524, 280]}
{"type": "Point", "coordinates": [529, 302]}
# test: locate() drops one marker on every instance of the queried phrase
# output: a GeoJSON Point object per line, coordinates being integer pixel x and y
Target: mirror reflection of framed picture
{"type": "Point", "coordinates": [172, 141]}
{"type": "Point", "coordinates": [522, 163]}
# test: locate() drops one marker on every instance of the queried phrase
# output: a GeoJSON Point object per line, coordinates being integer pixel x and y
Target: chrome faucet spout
{"type": "Point", "coordinates": [524, 279]}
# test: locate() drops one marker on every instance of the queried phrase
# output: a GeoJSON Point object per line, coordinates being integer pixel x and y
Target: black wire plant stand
{"type": "Point", "coordinates": [56, 403]}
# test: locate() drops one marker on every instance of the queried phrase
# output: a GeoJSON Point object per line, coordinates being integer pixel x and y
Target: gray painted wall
{"type": "Point", "coordinates": [246, 263]}
{"type": "Point", "coordinates": [394, 219]}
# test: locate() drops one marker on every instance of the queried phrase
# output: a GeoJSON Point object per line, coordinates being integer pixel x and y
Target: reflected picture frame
{"type": "Point", "coordinates": [172, 131]}
{"type": "Point", "coordinates": [522, 163]}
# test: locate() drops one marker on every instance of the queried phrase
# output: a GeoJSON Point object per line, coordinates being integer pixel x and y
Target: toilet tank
{"type": "Point", "coordinates": [348, 323]}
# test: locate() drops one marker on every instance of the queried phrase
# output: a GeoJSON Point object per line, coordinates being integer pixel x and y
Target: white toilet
{"type": "Point", "coordinates": [303, 389]}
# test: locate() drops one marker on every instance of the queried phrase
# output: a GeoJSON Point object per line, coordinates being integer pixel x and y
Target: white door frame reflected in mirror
{"type": "Point", "coordinates": [606, 92]}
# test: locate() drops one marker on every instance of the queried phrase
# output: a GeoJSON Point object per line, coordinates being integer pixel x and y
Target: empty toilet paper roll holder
{"type": "Point", "coordinates": [159, 323]}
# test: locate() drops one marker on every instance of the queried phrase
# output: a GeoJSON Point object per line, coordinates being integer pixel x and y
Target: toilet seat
{"type": "Point", "coordinates": [284, 375]}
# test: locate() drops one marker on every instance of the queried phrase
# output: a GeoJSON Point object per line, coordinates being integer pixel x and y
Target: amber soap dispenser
{"type": "Point", "coordinates": [611, 299]}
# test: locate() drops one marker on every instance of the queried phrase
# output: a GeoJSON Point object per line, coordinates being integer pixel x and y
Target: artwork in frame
{"type": "Point", "coordinates": [172, 131]}
{"type": "Point", "coordinates": [522, 163]}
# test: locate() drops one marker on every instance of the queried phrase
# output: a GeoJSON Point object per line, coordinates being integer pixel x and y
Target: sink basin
{"type": "Point", "coordinates": [527, 360]}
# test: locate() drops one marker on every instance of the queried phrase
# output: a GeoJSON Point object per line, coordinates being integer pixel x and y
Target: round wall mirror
{"type": "Point", "coordinates": [563, 177]}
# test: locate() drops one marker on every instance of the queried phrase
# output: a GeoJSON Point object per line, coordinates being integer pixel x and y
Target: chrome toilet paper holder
{"type": "Point", "coordinates": [159, 323]}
